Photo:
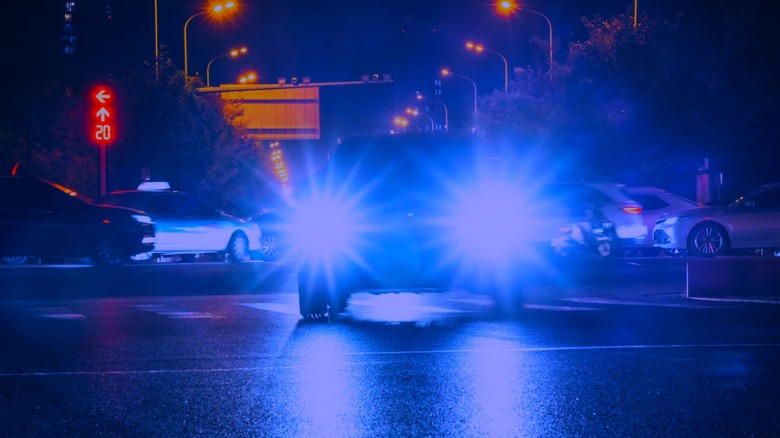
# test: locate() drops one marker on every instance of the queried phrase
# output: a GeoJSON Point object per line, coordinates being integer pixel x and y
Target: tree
{"type": "Point", "coordinates": [186, 138]}
{"type": "Point", "coordinates": [646, 105]}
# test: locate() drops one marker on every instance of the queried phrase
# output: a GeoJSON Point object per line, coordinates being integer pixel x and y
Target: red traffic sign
{"type": "Point", "coordinates": [102, 127]}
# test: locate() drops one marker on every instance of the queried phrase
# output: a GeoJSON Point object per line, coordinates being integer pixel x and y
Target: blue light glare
{"type": "Point", "coordinates": [489, 222]}
{"type": "Point", "coordinates": [324, 226]}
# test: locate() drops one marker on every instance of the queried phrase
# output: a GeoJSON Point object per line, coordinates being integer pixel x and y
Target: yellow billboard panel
{"type": "Point", "coordinates": [290, 113]}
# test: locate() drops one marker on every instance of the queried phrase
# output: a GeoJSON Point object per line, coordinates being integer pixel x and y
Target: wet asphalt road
{"type": "Point", "coordinates": [219, 350]}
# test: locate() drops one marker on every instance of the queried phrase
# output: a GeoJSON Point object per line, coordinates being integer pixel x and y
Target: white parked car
{"type": "Point", "coordinates": [657, 202]}
{"type": "Point", "coordinates": [750, 222]}
{"type": "Point", "coordinates": [187, 226]}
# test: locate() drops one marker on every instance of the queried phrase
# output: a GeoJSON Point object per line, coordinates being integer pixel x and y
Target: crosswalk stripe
{"type": "Point", "coordinates": [273, 307]}
{"type": "Point", "coordinates": [173, 312]}
{"type": "Point", "coordinates": [56, 313]}
{"type": "Point", "coordinates": [596, 300]}
{"type": "Point", "coordinates": [559, 308]}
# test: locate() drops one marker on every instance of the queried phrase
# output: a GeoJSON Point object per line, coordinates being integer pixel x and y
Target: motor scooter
{"type": "Point", "coordinates": [592, 235]}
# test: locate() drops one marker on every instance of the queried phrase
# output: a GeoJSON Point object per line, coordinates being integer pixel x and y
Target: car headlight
{"type": "Point", "coordinates": [489, 222]}
{"type": "Point", "coordinates": [142, 218]}
{"type": "Point", "coordinates": [323, 227]}
{"type": "Point", "coordinates": [674, 219]}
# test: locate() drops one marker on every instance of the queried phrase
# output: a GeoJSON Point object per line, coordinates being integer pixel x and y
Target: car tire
{"type": "Point", "coordinates": [144, 257]}
{"type": "Point", "coordinates": [269, 247]}
{"type": "Point", "coordinates": [14, 260]}
{"type": "Point", "coordinates": [109, 253]}
{"type": "Point", "coordinates": [604, 248]}
{"type": "Point", "coordinates": [708, 240]}
{"type": "Point", "coordinates": [318, 301]}
{"type": "Point", "coordinates": [238, 249]}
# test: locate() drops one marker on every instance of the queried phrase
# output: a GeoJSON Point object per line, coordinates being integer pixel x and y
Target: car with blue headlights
{"type": "Point", "coordinates": [751, 222]}
{"type": "Point", "coordinates": [403, 212]}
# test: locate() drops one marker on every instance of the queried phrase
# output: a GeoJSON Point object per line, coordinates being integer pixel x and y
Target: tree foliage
{"type": "Point", "coordinates": [645, 105]}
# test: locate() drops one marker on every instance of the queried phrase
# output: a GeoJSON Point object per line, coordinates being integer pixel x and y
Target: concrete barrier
{"type": "Point", "coordinates": [734, 277]}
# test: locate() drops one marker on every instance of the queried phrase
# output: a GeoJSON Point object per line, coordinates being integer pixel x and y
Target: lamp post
{"type": "Point", "coordinates": [216, 9]}
{"type": "Point", "coordinates": [506, 7]}
{"type": "Point", "coordinates": [415, 112]}
{"type": "Point", "coordinates": [446, 72]}
{"type": "Point", "coordinates": [479, 48]}
{"type": "Point", "coordinates": [233, 53]}
{"type": "Point", "coordinates": [156, 46]}
{"type": "Point", "coordinates": [446, 116]}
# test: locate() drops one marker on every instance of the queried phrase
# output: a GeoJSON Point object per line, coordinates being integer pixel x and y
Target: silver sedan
{"type": "Point", "coordinates": [751, 222]}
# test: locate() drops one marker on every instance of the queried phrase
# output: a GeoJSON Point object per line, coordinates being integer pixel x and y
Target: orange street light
{"type": "Point", "coordinates": [420, 97]}
{"type": "Point", "coordinates": [219, 8]}
{"type": "Point", "coordinates": [399, 121]}
{"type": "Point", "coordinates": [447, 72]}
{"type": "Point", "coordinates": [233, 53]}
{"type": "Point", "coordinates": [248, 78]}
{"type": "Point", "coordinates": [510, 7]}
{"type": "Point", "coordinates": [416, 113]}
{"type": "Point", "coordinates": [479, 48]}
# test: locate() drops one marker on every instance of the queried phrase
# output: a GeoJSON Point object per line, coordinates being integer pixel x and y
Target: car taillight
{"type": "Point", "coordinates": [632, 210]}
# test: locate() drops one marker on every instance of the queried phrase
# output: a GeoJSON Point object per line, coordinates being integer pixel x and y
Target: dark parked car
{"type": "Point", "coordinates": [39, 218]}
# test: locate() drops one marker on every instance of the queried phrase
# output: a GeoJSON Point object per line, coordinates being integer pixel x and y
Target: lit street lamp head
{"type": "Point", "coordinates": [506, 7]}
{"type": "Point", "coordinates": [249, 78]}
{"type": "Point", "coordinates": [479, 48]}
{"type": "Point", "coordinates": [220, 8]}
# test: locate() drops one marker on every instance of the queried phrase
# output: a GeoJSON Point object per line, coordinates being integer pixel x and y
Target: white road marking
{"type": "Point", "coordinates": [558, 308]}
{"type": "Point", "coordinates": [596, 300]}
{"type": "Point", "coordinates": [173, 312]}
{"type": "Point", "coordinates": [386, 353]}
{"type": "Point", "coordinates": [56, 313]}
{"type": "Point", "coordinates": [476, 301]}
{"type": "Point", "coordinates": [273, 307]}
{"type": "Point", "coordinates": [768, 300]}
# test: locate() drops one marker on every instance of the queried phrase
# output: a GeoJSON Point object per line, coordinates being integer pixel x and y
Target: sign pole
{"type": "Point", "coordinates": [103, 170]}
{"type": "Point", "coordinates": [102, 128]}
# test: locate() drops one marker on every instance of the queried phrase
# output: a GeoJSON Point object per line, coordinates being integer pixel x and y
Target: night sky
{"type": "Point", "coordinates": [330, 41]}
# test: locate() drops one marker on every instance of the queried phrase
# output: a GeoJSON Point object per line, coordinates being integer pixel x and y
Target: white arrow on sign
{"type": "Point", "coordinates": [103, 113]}
{"type": "Point", "coordinates": [101, 96]}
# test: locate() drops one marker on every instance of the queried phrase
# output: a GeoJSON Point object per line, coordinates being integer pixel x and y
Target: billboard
{"type": "Point", "coordinates": [290, 113]}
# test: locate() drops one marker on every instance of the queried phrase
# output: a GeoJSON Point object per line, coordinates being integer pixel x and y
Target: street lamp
{"type": "Point", "coordinates": [479, 48]}
{"type": "Point", "coordinates": [446, 72]}
{"type": "Point", "coordinates": [156, 46]}
{"type": "Point", "coordinates": [446, 116]}
{"type": "Point", "coordinates": [415, 112]}
{"type": "Point", "coordinates": [507, 7]}
{"type": "Point", "coordinates": [233, 53]}
{"type": "Point", "coordinates": [215, 9]}
{"type": "Point", "coordinates": [248, 78]}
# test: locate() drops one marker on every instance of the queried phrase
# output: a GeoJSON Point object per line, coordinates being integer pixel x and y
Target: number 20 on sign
{"type": "Point", "coordinates": [102, 126]}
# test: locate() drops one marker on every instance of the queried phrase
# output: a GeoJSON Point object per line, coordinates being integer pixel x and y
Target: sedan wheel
{"type": "Point", "coordinates": [109, 254]}
{"type": "Point", "coordinates": [269, 247]}
{"type": "Point", "coordinates": [14, 260]}
{"type": "Point", "coordinates": [708, 240]}
{"type": "Point", "coordinates": [238, 249]}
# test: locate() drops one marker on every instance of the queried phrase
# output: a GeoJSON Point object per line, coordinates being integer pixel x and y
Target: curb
{"type": "Point", "coordinates": [733, 277]}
